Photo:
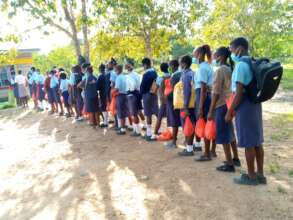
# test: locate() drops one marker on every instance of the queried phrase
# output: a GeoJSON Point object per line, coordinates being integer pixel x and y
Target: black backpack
{"type": "Point", "coordinates": [266, 79]}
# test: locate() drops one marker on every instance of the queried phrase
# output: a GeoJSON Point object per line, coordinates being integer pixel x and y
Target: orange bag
{"type": "Point", "coordinates": [168, 87]}
{"type": "Point", "coordinates": [210, 130]}
{"type": "Point", "coordinates": [113, 104]}
{"type": "Point", "coordinates": [165, 136]}
{"type": "Point", "coordinates": [229, 102]}
{"type": "Point", "coordinates": [188, 127]}
{"type": "Point", "coordinates": [200, 128]}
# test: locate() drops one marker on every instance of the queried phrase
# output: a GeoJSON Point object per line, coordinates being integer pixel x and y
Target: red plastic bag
{"type": "Point", "coordinates": [165, 136]}
{"type": "Point", "coordinates": [229, 102]}
{"type": "Point", "coordinates": [200, 128]}
{"type": "Point", "coordinates": [188, 127]}
{"type": "Point", "coordinates": [210, 130]}
{"type": "Point", "coordinates": [168, 87]}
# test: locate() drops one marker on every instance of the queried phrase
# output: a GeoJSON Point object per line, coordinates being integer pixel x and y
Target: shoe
{"type": "Point", "coordinates": [171, 145]}
{"type": "Point", "coordinates": [111, 122]}
{"type": "Point", "coordinates": [226, 168]}
{"type": "Point", "coordinates": [61, 114]}
{"type": "Point", "coordinates": [236, 162]}
{"type": "Point", "coordinates": [134, 134]}
{"type": "Point", "coordinates": [103, 125]}
{"type": "Point", "coordinates": [244, 179]}
{"type": "Point", "coordinates": [120, 132]}
{"type": "Point", "coordinates": [203, 158]}
{"type": "Point", "coordinates": [196, 149]}
{"type": "Point", "coordinates": [185, 153]}
{"type": "Point", "coordinates": [150, 138]}
{"type": "Point", "coordinates": [129, 128]}
{"type": "Point", "coordinates": [261, 179]}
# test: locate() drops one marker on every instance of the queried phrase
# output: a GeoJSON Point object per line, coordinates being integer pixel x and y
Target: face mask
{"type": "Point", "coordinates": [195, 60]}
{"type": "Point", "coordinates": [170, 70]}
{"type": "Point", "coordinates": [235, 58]}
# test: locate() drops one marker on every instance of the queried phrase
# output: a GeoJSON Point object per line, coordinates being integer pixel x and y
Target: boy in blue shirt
{"type": "Point", "coordinates": [248, 119]}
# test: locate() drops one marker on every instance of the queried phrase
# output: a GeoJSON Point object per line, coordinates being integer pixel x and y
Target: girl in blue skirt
{"type": "Point", "coordinates": [76, 97]}
{"type": "Point", "coordinates": [64, 89]}
{"type": "Point", "coordinates": [203, 82]}
{"type": "Point", "coordinates": [249, 124]}
{"type": "Point", "coordinates": [103, 91]}
{"type": "Point", "coordinates": [218, 109]}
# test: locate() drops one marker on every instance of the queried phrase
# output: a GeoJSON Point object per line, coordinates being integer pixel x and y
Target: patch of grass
{"type": "Point", "coordinates": [6, 105]}
{"type": "Point", "coordinates": [274, 167]}
{"type": "Point", "coordinates": [287, 80]}
{"type": "Point", "coordinates": [282, 190]}
{"type": "Point", "coordinates": [283, 127]}
{"type": "Point", "coordinates": [290, 173]}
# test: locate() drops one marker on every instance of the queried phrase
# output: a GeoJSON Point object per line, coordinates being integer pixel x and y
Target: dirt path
{"type": "Point", "coordinates": [53, 169]}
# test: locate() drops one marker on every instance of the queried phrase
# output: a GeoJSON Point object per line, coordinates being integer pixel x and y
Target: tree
{"type": "Point", "coordinates": [150, 19]}
{"type": "Point", "coordinates": [63, 15]}
{"type": "Point", "coordinates": [265, 23]}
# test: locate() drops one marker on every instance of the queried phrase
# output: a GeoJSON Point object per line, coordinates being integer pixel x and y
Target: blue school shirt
{"type": "Point", "coordinates": [64, 85]}
{"type": "Point", "coordinates": [148, 78]}
{"type": "Point", "coordinates": [113, 76]}
{"type": "Point", "coordinates": [72, 79]}
{"type": "Point", "coordinates": [33, 78]}
{"type": "Point", "coordinates": [187, 78]}
{"type": "Point", "coordinates": [160, 79]}
{"type": "Point", "coordinates": [241, 74]}
{"type": "Point", "coordinates": [204, 74]}
{"type": "Point", "coordinates": [54, 82]}
{"type": "Point", "coordinates": [133, 81]}
{"type": "Point", "coordinates": [121, 84]}
{"type": "Point", "coordinates": [40, 79]}
{"type": "Point", "coordinates": [90, 89]}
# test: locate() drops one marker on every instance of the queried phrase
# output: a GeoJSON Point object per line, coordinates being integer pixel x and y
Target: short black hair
{"type": "Point", "coordinates": [130, 61]}
{"type": "Point", "coordinates": [186, 60]}
{"type": "Point", "coordinates": [240, 41]}
{"type": "Point", "coordinates": [76, 69]}
{"type": "Point", "coordinates": [164, 67]}
{"type": "Point", "coordinates": [102, 68]}
{"type": "Point", "coordinates": [33, 68]}
{"type": "Point", "coordinates": [62, 75]}
{"type": "Point", "coordinates": [19, 72]}
{"type": "Point", "coordinates": [146, 61]}
{"type": "Point", "coordinates": [174, 63]}
{"type": "Point", "coordinates": [61, 69]}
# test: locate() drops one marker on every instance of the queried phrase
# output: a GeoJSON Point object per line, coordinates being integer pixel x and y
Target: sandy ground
{"type": "Point", "coordinates": [53, 169]}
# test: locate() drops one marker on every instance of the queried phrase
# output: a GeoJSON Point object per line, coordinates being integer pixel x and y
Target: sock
{"type": "Point", "coordinates": [119, 123]}
{"type": "Point", "coordinates": [189, 148]}
{"type": "Point", "coordinates": [137, 128]}
{"type": "Point", "coordinates": [106, 117]}
{"type": "Point", "coordinates": [149, 130]}
{"type": "Point", "coordinates": [122, 129]}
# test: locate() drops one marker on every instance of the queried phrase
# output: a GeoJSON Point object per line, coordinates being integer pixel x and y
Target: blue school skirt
{"type": "Point", "coordinates": [65, 96]}
{"type": "Point", "coordinates": [92, 104]}
{"type": "Point", "coordinates": [122, 106]}
{"type": "Point", "coordinates": [206, 105]}
{"type": "Point", "coordinates": [51, 99]}
{"type": "Point", "coordinates": [162, 111]}
{"type": "Point", "coordinates": [56, 95]}
{"type": "Point", "coordinates": [134, 103]}
{"type": "Point", "coordinates": [225, 131]}
{"type": "Point", "coordinates": [249, 124]}
{"type": "Point", "coordinates": [30, 86]}
{"type": "Point", "coordinates": [150, 104]}
{"type": "Point", "coordinates": [173, 115]}
{"type": "Point", "coordinates": [40, 92]}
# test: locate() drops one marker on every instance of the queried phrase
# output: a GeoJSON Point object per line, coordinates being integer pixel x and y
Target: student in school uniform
{"type": "Point", "coordinates": [161, 88]}
{"type": "Point", "coordinates": [50, 91]}
{"type": "Point", "coordinates": [248, 119]}
{"type": "Point", "coordinates": [89, 84]}
{"type": "Point", "coordinates": [203, 82]}
{"type": "Point", "coordinates": [220, 93]}
{"type": "Point", "coordinates": [149, 97]}
{"type": "Point", "coordinates": [122, 108]}
{"type": "Point", "coordinates": [133, 97]}
{"type": "Point", "coordinates": [21, 82]}
{"type": "Point", "coordinates": [40, 80]}
{"type": "Point", "coordinates": [187, 78]}
{"type": "Point", "coordinates": [64, 89]}
{"type": "Point", "coordinates": [33, 83]}
{"type": "Point", "coordinates": [173, 115]}
{"type": "Point", "coordinates": [30, 80]}
{"type": "Point", "coordinates": [77, 100]}
{"type": "Point", "coordinates": [103, 90]}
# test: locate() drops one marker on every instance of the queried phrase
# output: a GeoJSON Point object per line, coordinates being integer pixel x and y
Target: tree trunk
{"type": "Point", "coordinates": [85, 31]}
{"type": "Point", "coordinates": [148, 46]}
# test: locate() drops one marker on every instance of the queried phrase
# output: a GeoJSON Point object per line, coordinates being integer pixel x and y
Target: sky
{"type": "Point", "coordinates": [30, 37]}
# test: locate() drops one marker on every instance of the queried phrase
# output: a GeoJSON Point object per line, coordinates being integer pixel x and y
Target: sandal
{"type": "Point", "coordinates": [203, 158]}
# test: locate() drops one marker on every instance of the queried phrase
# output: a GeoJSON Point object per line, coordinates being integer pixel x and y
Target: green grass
{"type": "Point", "coordinates": [281, 190]}
{"type": "Point", "coordinates": [283, 127]}
{"type": "Point", "coordinates": [274, 167]}
{"type": "Point", "coordinates": [287, 80]}
{"type": "Point", "coordinates": [6, 105]}
{"type": "Point", "coordinates": [290, 173]}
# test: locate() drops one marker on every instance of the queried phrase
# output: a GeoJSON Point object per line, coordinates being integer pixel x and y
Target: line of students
{"type": "Point", "coordinates": [131, 98]}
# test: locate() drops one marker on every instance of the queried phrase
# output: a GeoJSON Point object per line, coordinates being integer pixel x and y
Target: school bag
{"type": "Point", "coordinates": [178, 97]}
{"type": "Point", "coordinates": [266, 78]}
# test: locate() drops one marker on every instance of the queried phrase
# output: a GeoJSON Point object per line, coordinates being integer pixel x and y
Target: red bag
{"type": "Point", "coordinates": [229, 102]}
{"type": "Point", "coordinates": [165, 136]}
{"type": "Point", "coordinates": [188, 127]}
{"type": "Point", "coordinates": [210, 130]}
{"type": "Point", "coordinates": [200, 128]}
{"type": "Point", "coordinates": [113, 104]}
{"type": "Point", "coordinates": [168, 87]}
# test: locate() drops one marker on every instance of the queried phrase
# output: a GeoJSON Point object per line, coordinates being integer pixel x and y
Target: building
{"type": "Point", "coordinates": [23, 62]}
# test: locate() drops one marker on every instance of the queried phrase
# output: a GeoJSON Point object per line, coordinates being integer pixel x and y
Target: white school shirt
{"type": "Point", "coordinates": [133, 80]}
{"type": "Point", "coordinates": [20, 79]}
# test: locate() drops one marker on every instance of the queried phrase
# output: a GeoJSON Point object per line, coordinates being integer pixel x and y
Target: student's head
{"type": "Point", "coordinates": [90, 69]}
{"type": "Point", "coordinates": [62, 75]}
{"type": "Point", "coordinates": [76, 69]}
{"type": "Point", "coordinates": [164, 67]}
{"type": "Point", "coordinates": [222, 55]}
{"type": "Point", "coordinates": [33, 69]}
{"type": "Point", "coordinates": [85, 66]}
{"type": "Point", "coordinates": [203, 53]}
{"type": "Point", "coordinates": [19, 72]}
{"type": "Point", "coordinates": [111, 64]}
{"type": "Point", "coordinates": [118, 69]}
{"type": "Point", "coordinates": [174, 65]}
{"type": "Point", "coordinates": [146, 63]}
{"type": "Point", "coordinates": [102, 68]}
{"type": "Point", "coordinates": [52, 73]}
{"type": "Point", "coordinates": [60, 70]}
{"type": "Point", "coordinates": [185, 62]}
{"type": "Point", "coordinates": [239, 47]}
{"type": "Point", "coordinates": [129, 65]}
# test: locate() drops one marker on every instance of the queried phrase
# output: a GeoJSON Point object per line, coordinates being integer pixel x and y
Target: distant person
{"type": "Point", "coordinates": [21, 82]}
{"type": "Point", "coordinates": [103, 87]}
{"type": "Point", "coordinates": [40, 80]}
{"type": "Point", "coordinates": [64, 89]}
